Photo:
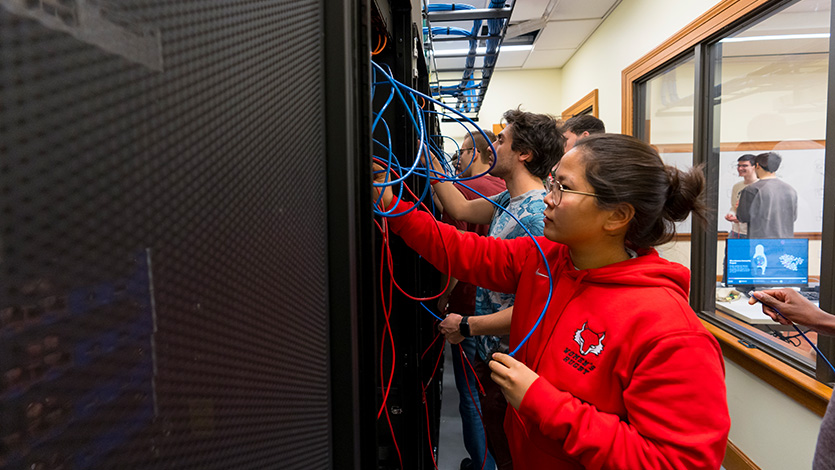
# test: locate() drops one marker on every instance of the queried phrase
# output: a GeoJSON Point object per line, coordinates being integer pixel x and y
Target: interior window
{"type": "Point", "coordinates": [668, 126]}
{"type": "Point", "coordinates": [770, 113]}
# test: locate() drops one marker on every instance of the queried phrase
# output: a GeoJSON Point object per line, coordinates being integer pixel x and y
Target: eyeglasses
{"type": "Point", "coordinates": [552, 185]}
{"type": "Point", "coordinates": [464, 150]}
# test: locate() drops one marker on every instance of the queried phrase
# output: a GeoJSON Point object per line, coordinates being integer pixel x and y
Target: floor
{"type": "Point", "coordinates": [451, 446]}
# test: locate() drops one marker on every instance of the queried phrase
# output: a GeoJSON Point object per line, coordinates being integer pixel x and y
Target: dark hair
{"type": "Point", "coordinates": [584, 123]}
{"type": "Point", "coordinates": [482, 145]}
{"type": "Point", "coordinates": [623, 169]}
{"type": "Point", "coordinates": [769, 161]}
{"type": "Point", "coordinates": [538, 135]}
{"type": "Point", "coordinates": [748, 157]}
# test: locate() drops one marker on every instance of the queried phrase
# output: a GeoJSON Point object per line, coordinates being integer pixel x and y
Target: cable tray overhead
{"type": "Point", "coordinates": [462, 44]}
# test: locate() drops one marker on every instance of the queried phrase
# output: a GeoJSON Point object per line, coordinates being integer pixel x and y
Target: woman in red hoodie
{"type": "Point", "coordinates": [619, 373]}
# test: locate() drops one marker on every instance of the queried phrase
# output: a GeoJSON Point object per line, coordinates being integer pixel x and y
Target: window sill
{"type": "Point", "coordinates": [800, 387]}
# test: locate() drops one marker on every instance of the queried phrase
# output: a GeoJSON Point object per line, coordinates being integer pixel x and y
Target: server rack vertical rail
{"type": "Point", "coordinates": [407, 430]}
{"type": "Point", "coordinates": [183, 235]}
{"type": "Point", "coordinates": [351, 266]}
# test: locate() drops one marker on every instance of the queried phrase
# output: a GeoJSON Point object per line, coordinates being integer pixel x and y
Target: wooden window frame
{"type": "Point", "coordinates": [718, 20]}
{"type": "Point", "coordinates": [586, 102]}
{"type": "Point", "coordinates": [711, 23]}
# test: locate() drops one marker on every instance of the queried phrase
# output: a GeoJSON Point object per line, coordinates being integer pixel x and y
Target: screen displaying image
{"type": "Point", "coordinates": [767, 262]}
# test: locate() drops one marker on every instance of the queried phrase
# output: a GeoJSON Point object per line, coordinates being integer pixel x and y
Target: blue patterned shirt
{"type": "Point", "coordinates": [528, 208]}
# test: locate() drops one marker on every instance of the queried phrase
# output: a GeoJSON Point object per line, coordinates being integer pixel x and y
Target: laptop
{"type": "Point", "coordinates": [763, 263]}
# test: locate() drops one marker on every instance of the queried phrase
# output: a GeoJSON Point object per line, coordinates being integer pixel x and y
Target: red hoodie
{"type": "Point", "coordinates": [629, 378]}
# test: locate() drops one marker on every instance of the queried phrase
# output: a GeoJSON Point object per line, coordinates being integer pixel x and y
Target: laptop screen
{"type": "Point", "coordinates": [767, 262]}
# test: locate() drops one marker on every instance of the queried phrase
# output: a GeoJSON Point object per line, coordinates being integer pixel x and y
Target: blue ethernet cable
{"type": "Point", "coordinates": [544, 260]}
{"type": "Point", "coordinates": [420, 123]}
{"type": "Point", "coordinates": [399, 85]}
{"type": "Point", "coordinates": [430, 311]}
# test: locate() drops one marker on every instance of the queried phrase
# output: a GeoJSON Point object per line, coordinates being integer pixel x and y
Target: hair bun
{"type": "Point", "coordinates": [684, 194]}
{"type": "Point", "coordinates": [623, 169]}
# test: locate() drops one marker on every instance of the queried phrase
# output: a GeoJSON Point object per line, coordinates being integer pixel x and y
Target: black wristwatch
{"type": "Point", "coordinates": [464, 327]}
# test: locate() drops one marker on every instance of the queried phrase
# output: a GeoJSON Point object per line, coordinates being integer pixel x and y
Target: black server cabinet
{"type": "Point", "coordinates": [414, 396]}
{"type": "Point", "coordinates": [185, 238]}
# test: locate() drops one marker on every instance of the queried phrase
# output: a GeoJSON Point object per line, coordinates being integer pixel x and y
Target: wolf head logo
{"type": "Point", "coordinates": [585, 336]}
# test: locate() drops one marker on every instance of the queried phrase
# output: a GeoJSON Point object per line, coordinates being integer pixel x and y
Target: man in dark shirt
{"type": "Point", "coordinates": [579, 127]}
{"type": "Point", "coordinates": [769, 206]}
{"type": "Point", "coordinates": [474, 158]}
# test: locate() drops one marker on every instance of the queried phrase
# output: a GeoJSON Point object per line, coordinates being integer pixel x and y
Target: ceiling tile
{"type": "Point", "coordinates": [581, 9]}
{"type": "Point", "coordinates": [570, 24]}
{"type": "Point", "coordinates": [512, 59]}
{"type": "Point", "coordinates": [525, 10]}
{"type": "Point", "coordinates": [565, 34]}
{"type": "Point", "coordinates": [548, 59]}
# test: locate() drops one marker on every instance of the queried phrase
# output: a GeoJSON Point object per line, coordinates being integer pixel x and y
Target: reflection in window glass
{"type": "Point", "coordinates": [669, 127]}
{"type": "Point", "coordinates": [772, 78]}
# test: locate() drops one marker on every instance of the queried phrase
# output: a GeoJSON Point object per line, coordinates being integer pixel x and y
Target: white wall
{"type": "Point", "coordinates": [773, 430]}
{"type": "Point", "coordinates": [634, 28]}
{"type": "Point", "coordinates": [537, 91]}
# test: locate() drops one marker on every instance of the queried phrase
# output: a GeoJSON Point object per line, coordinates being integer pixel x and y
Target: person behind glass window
{"type": "Point", "coordinates": [769, 206]}
{"type": "Point", "coordinates": [745, 169]}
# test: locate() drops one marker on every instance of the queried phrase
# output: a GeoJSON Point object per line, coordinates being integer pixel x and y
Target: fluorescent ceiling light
{"type": "Point", "coordinates": [778, 37]}
{"type": "Point", "coordinates": [482, 50]}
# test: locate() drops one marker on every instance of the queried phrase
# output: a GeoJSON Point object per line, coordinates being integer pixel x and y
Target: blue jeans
{"type": "Point", "coordinates": [473, 430]}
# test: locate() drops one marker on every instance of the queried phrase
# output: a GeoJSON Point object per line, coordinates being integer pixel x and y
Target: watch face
{"type": "Point", "coordinates": [464, 327]}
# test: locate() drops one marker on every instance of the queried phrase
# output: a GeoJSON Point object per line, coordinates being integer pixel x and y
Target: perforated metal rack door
{"type": "Point", "coordinates": [163, 294]}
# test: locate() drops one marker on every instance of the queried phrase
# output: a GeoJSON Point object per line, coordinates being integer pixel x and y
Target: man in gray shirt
{"type": "Point", "coordinates": [769, 206]}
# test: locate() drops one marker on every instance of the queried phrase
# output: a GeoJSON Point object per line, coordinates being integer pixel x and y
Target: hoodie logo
{"type": "Point", "coordinates": [585, 336]}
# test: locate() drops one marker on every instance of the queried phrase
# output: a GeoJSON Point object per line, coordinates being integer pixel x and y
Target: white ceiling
{"type": "Point", "coordinates": [566, 28]}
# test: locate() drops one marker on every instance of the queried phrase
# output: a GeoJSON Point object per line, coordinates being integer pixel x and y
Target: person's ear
{"type": "Point", "coordinates": [619, 218]}
{"type": "Point", "coordinates": [487, 156]}
{"type": "Point", "coordinates": [584, 134]}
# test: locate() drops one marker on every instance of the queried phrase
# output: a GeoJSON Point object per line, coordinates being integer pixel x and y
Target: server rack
{"type": "Point", "coordinates": [185, 240]}
{"type": "Point", "coordinates": [413, 400]}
